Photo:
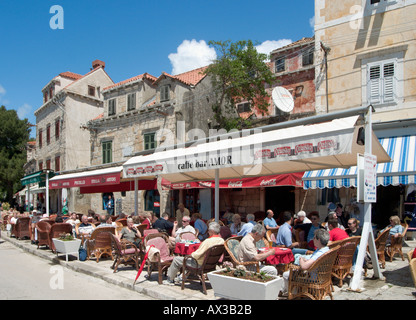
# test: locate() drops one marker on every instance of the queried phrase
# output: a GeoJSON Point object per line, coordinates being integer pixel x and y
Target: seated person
{"type": "Point", "coordinates": [131, 233]}
{"type": "Point", "coordinates": [247, 250]}
{"type": "Point", "coordinates": [269, 222]}
{"type": "Point", "coordinates": [308, 229]}
{"type": "Point", "coordinates": [284, 235]}
{"type": "Point", "coordinates": [37, 215]}
{"type": "Point", "coordinates": [236, 226]}
{"type": "Point", "coordinates": [85, 228]}
{"type": "Point", "coordinates": [213, 239]}
{"type": "Point", "coordinates": [335, 233]}
{"type": "Point", "coordinates": [353, 228]}
{"type": "Point", "coordinates": [321, 240]}
{"type": "Point", "coordinates": [106, 221]}
{"type": "Point", "coordinates": [200, 225]}
{"type": "Point", "coordinates": [186, 227]}
{"type": "Point", "coordinates": [396, 229]}
{"type": "Point", "coordinates": [247, 227]}
{"type": "Point", "coordinates": [163, 224]}
{"type": "Point", "coordinates": [302, 218]}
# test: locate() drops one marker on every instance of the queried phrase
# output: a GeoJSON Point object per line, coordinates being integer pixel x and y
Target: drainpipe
{"type": "Point", "coordinates": [326, 51]}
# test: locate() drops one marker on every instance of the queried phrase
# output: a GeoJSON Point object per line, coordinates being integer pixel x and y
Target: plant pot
{"type": "Point", "coordinates": [67, 247]}
{"type": "Point", "coordinates": [241, 289]}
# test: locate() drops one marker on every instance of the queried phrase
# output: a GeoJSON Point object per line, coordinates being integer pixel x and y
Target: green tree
{"type": "Point", "coordinates": [14, 135]}
{"type": "Point", "coordinates": [238, 75]}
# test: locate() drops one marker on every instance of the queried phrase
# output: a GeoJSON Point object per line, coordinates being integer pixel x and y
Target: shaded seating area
{"type": "Point", "coordinates": [344, 260]}
{"type": "Point", "coordinates": [231, 247]}
{"type": "Point", "coordinates": [124, 252]}
{"type": "Point", "coordinates": [159, 257]}
{"type": "Point", "coordinates": [100, 243]}
{"type": "Point", "coordinates": [211, 259]}
{"type": "Point", "coordinates": [22, 228]}
{"type": "Point", "coordinates": [314, 283]}
{"type": "Point", "coordinates": [396, 244]}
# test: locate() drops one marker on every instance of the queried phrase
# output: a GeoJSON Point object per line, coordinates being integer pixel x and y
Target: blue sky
{"type": "Point", "coordinates": [131, 37]}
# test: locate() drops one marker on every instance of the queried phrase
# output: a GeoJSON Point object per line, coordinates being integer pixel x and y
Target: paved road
{"type": "Point", "coordinates": [24, 276]}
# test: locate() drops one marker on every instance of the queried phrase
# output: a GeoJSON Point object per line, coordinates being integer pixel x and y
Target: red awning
{"type": "Point", "coordinates": [99, 181]}
{"type": "Point", "coordinates": [290, 179]}
{"type": "Point", "coordinates": [122, 186]}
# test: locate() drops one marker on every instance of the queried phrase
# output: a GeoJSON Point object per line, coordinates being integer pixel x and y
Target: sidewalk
{"type": "Point", "coordinates": [397, 285]}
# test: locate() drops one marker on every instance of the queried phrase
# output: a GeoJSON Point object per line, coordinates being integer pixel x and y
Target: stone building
{"type": "Point", "coordinates": [61, 144]}
{"type": "Point", "coordinates": [145, 113]}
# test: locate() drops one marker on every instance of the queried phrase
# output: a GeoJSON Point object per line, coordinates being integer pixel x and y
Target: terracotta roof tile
{"type": "Point", "coordinates": [71, 75]}
{"type": "Point", "coordinates": [140, 76]}
{"type": "Point", "coordinates": [192, 77]}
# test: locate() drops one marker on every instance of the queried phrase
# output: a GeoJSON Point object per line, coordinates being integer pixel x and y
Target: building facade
{"type": "Point", "coordinates": [61, 144]}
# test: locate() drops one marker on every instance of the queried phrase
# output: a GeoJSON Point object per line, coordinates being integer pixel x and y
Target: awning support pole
{"type": "Point", "coordinates": [367, 237]}
{"type": "Point", "coordinates": [217, 195]}
{"type": "Point", "coordinates": [136, 197]}
{"type": "Point", "coordinates": [47, 193]}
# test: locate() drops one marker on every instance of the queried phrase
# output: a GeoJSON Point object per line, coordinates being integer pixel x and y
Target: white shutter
{"type": "Point", "coordinates": [374, 85]}
{"type": "Point", "coordinates": [388, 75]}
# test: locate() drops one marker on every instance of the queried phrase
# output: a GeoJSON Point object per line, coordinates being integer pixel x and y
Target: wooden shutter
{"type": "Point", "coordinates": [388, 85]}
{"type": "Point", "coordinates": [374, 85]}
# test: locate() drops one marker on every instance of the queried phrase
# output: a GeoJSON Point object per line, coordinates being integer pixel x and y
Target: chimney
{"type": "Point", "coordinates": [98, 63]}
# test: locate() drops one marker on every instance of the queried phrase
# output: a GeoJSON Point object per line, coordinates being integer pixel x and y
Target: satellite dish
{"type": "Point", "coordinates": [282, 99]}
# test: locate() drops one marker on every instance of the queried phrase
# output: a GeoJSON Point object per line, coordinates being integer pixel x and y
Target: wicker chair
{"type": "Point", "coordinates": [314, 283]}
{"type": "Point", "coordinates": [397, 244]}
{"type": "Point", "coordinates": [22, 228]}
{"type": "Point", "coordinates": [381, 246]}
{"type": "Point", "coordinates": [43, 229]}
{"type": "Point", "coordinates": [124, 252]}
{"type": "Point", "coordinates": [343, 263]}
{"type": "Point", "coordinates": [56, 230]}
{"type": "Point", "coordinates": [160, 260]}
{"type": "Point", "coordinates": [101, 243]}
{"type": "Point", "coordinates": [146, 232]}
{"type": "Point", "coordinates": [211, 259]}
{"type": "Point", "coordinates": [302, 242]}
{"type": "Point", "coordinates": [231, 247]}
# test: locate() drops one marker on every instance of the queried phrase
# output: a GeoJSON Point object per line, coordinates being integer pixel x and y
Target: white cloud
{"type": "Point", "coordinates": [191, 55]}
{"type": "Point", "coordinates": [2, 90]}
{"type": "Point", "coordinates": [312, 23]}
{"type": "Point", "coordinates": [270, 45]}
{"type": "Point", "coordinates": [24, 110]}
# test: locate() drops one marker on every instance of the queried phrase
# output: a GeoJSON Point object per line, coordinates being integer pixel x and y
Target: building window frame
{"type": "Point", "coordinates": [279, 64]}
{"type": "Point", "coordinates": [112, 105]}
{"type": "Point", "coordinates": [165, 92]}
{"type": "Point", "coordinates": [107, 151]}
{"type": "Point", "coordinates": [131, 101]}
{"type": "Point", "coordinates": [308, 57]}
{"type": "Point", "coordinates": [149, 140]}
{"type": "Point", "coordinates": [48, 134]}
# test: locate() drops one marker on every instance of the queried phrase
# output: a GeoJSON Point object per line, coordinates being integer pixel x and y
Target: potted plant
{"type": "Point", "coordinates": [240, 284]}
{"type": "Point", "coordinates": [67, 244]}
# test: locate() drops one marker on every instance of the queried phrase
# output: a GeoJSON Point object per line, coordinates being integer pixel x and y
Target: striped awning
{"type": "Point", "coordinates": [401, 170]}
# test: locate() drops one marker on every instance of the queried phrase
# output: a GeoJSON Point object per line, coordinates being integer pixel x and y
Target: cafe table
{"type": "Point", "coordinates": [281, 256]}
{"type": "Point", "coordinates": [183, 248]}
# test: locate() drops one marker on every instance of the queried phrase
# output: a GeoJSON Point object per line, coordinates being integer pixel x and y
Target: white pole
{"type": "Point", "coordinates": [217, 195]}
{"type": "Point", "coordinates": [367, 237]}
{"type": "Point", "coordinates": [136, 197]}
{"type": "Point", "coordinates": [47, 193]}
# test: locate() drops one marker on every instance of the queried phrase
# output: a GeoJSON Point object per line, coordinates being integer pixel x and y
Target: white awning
{"type": "Point", "coordinates": [401, 170]}
{"type": "Point", "coordinates": [323, 145]}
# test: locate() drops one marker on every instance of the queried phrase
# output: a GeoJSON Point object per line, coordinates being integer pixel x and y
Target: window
{"type": "Point", "coordinates": [111, 107]}
{"type": "Point", "coordinates": [48, 134]}
{"type": "Point", "coordinates": [45, 96]}
{"type": "Point", "coordinates": [91, 91]}
{"type": "Point", "coordinates": [279, 65]}
{"type": "Point", "coordinates": [107, 151]}
{"type": "Point", "coordinates": [51, 92]}
{"type": "Point", "coordinates": [40, 165]}
{"type": "Point", "coordinates": [57, 163]}
{"type": "Point", "coordinates": [164, 93]}
{"type": "Point", "coordinates": [48, 164]}
{"type": "Point", "coordinates": [381, 82]}
{"type": "Point", "coordinates": [57, 122]}
{"type": "Point", "coordinates": [374, 1]}
{"type": "Point", "coordinates": [307, 57]}
{"type": "Point", "coordinates": [131, 101]}
{"type": "Point", "coordinates": [243, 107]}
{"type": "Point", "coordinates": [40, 139]}
{"type": "Point", "coordinates": [149, 141]}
